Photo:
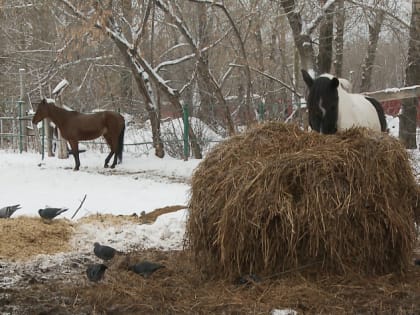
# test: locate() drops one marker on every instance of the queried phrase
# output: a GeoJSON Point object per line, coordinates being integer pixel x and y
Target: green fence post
{"type": "Point", "coordinates": [186, 129]}
{"type": "Point", "coordinates": [20, 127]}
{"type": "Point", "coordinates": [261, 111]}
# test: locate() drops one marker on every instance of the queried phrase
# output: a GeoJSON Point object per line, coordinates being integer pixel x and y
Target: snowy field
{"type": "Point", "coordinates": [139, 184]}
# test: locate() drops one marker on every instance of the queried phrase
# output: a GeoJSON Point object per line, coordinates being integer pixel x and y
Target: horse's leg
{"type": "Point", "coordinates": [75, 148]}
{"type": "Point", "coordinates": [108, 140]}
{"type": "Point", "coordinates": [115, 160]}
{"type": "Point", "coordinates": [107, 159]}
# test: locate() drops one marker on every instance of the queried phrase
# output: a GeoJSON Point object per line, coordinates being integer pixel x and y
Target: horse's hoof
{"type": "Point", "coordinates": [106, 165]}
{"type": "Point", "coordinates": [112, 166]}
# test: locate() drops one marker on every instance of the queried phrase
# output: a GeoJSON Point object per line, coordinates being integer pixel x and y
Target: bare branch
{"type": "Point", "coordinates": [375, 8]}
{"type": "Point", "coordinates": [81, 204]}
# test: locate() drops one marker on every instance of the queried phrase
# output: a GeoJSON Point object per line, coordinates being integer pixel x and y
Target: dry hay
{"type": "Point", "coordinates": [23, 237]}
{"type": "Point", "coordinates": [144, 218]}
{"type": "Point", "coordinates": [149, 218]}
{"type": "Point", "coordinates": [108, 219]}
{"type": "Point", "coordinates": [277, 198]}
{"type": "Point", "coordinates": [180, 289]}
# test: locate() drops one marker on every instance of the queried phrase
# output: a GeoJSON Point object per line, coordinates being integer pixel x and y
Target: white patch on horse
{"type": "Point", "coordinates": [356, 110]}
{"type": "Point", "coordinates": [322, 108]}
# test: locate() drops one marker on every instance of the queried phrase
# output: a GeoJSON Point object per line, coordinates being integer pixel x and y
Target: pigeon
{"type": "Point", "coordinates": [248, 279]}
{"type": "Point", "coordinates": [145, 268]}
{"type": "Point", "coordinates": [6, 212]}
{"type": "Point", "coordinates": [104, 252]}
{"type": "Point", "coordinates": [95, 272]}
{"type": "Point", "coordinates": [51, 213]}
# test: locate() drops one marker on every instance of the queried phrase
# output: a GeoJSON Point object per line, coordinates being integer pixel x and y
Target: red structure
{"type": "Point", "coordinates": [393, 108]}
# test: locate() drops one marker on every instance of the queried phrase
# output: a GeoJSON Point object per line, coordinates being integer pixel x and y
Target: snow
{"type": "Point", "coordinates": [60, 87]}
{"type": "Point", "coordinates": [134, 186]}
{"type": "Point", "coordinates": [139, 184]}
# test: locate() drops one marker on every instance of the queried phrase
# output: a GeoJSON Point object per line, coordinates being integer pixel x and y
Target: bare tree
{"type": "Point", "coordinates": [408, 117]}
{"type": "Point", "coordinates": [109, 19]}
{"type": "Point", "coordinates": [368, 62]}
{"type": "Point", "coordinates": [340, 18]}
{"type": "Point", "coordinates": [326, 40]}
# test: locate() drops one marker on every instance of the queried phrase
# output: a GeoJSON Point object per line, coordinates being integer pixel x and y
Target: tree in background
{"type": "Point", "coordinates": [408, 116]}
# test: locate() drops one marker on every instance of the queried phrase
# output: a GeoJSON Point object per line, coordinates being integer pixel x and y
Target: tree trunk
{"type": "Point", "coordinates": [284, 95]}
{"type": "Point", "coordinates": [151, 110]}
{"type": "Point", "coordinates": [206, 110]}
{"type": "Point", "coordinates": [326, 40]}
{"type": "Point", "coordinates": [303, 42]}
{"type": "Point", "coordinates": [408, 117]}
{"type": "Point", "coordinates": [367, 66]}
{"type": "Point", "coordinates": [339, 38]}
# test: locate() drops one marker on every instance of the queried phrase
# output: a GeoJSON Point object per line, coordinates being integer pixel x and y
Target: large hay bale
{"type": "Point", "coordinates": [277, 198]}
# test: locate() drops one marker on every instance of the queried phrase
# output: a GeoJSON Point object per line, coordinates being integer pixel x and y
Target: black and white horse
{"type": "Point", "coordinates": [331, 107]}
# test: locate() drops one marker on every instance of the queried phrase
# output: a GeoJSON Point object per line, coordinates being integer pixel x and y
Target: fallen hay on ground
{"type": "Point", "coordinates": [24, 237]}
{"type": "Point", "coordinates": [179, 289]}
{"type": "Point", "coordinates": [277, 198]}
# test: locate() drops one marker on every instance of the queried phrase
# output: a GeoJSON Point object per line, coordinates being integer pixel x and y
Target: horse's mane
{"type": "Point", "coordinates": [344, 83]}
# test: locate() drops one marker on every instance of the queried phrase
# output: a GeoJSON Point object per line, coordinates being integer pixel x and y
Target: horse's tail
{"type": "Point", "coordinates": [380, 111]}
{"type": "Point", "coordinates": [120, 145]}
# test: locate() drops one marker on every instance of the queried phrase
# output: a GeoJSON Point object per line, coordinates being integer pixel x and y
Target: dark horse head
{"type": "Point", "coordinates": [331, 107]}
{"type": "Point", "coordinates": [41, 112]}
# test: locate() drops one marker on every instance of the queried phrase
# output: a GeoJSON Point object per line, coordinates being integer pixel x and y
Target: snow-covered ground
{"type": "Point", "coordinates": [138, 184]}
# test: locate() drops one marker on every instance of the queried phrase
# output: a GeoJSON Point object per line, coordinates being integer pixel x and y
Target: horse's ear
{"type": "Point", "coordinates": [334, 83]}
{"type": "Point", "coordinates": [307, 78]}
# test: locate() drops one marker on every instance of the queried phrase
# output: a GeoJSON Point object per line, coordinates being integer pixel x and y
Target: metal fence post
{"type": "Point", "coordinates": [20, 103]}
{"type": "Point", "coordinates": [261, 109]}
{"type": "Point", "coordinates": [20, 127]}
{"type": "Point", "coordinates": [186, 129]}
{"type": "Point", "coordinates": [42, 138]}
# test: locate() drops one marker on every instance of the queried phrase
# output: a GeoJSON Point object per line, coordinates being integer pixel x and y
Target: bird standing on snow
{"type": "Point", "coordinates": [104, 252]}
{"type": "Point", "coordinates": [145, 268]}
{"type": "Point", "coordinates": [95, 272]}
{"type": "Point", "coordinates": [6, 212]}
{"type": "Point", "coordinates": [51, 213]}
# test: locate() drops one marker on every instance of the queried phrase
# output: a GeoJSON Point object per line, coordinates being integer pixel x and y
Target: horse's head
{"type": "Point", "coordinates": [41, 111]}
{"type": "Point", "coordinates": [322, 102]}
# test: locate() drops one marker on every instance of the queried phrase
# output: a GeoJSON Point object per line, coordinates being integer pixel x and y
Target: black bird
{"type": "Point", "coordinates": [104, 252]}
{"type": "Point", "coordinates": [95, 272]}
{"type": "Point", "coordinates": [248, 279]}
{"type": "Point", "coordinates": [51, 213]}
{"type": "Point", "coordinates": [7, 211]}
{"type": "Point", "coordinates": [417, 262]}
{"type": "Point", "coordinates": [145, 268]}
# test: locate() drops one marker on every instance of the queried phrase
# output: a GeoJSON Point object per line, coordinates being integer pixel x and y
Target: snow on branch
{"type": "Point", "coordinates": [178, 22]}
{"type": "Point", "coordinates": [311, 26]}
{"type": "Point", "coordinates": [89, 59]}
{"type": "Point", "coordinates": [74, 9]}
{"type": "Point", "coordinates": [60, 87]}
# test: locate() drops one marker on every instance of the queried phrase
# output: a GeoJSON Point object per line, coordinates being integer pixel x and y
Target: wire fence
{"type": "Point", "coordinates": [17, 132]}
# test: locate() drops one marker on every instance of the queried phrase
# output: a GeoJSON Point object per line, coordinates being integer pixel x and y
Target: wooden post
{"type": "Point", "coordinates": [48, 131]}
{"type": "Point", "coordinates": [62, 151]}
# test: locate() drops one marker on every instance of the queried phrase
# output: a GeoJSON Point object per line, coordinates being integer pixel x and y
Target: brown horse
{"type": "Point", "coordinates": [75, 126]}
